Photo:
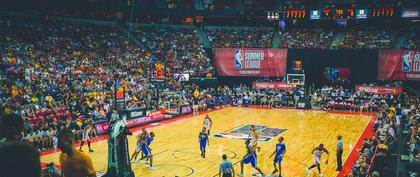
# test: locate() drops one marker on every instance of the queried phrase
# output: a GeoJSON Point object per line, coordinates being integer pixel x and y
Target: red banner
{"type": "Point", "coordinates": [272, 85]}
{"type": "Point", "coordinates": [250, 61]}
{"type": "Point", "coordinates": [399, 65]}
{"type": "Point", "coordinates": [379, 89]}
{"type": "Point", "coordinates": [102, 128]}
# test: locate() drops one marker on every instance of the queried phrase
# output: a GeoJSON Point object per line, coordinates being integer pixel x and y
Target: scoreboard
{"type": "Point", "coordinates": [158, 72]}
{"type": "Point", "coordinates": [338, 13]}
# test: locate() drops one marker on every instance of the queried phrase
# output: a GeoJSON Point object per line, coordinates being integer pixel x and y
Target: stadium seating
{"type": "Point", "coordinates": [225, 38]}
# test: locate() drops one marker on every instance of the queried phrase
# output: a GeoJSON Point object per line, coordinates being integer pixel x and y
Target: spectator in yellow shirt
{"type": "Point", "coordinates": [73, 162]}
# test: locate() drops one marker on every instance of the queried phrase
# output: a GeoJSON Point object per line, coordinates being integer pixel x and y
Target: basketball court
{"type": "Point", "coordinates": [176, 148]}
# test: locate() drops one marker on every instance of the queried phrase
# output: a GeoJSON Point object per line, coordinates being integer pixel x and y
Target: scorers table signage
{"type": "Point", "coordinates": [250, 61]}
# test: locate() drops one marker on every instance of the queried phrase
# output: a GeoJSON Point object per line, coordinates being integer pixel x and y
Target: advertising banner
{"type": "Point", "coordinates": [382, 90]}
{"type": "Point", "coordinates": [186, 109]}
{"type": "Point", "coordinates": [399, 65]}
{"type": "Point", "coordinates": [409, 13]}
{"type": "Point", "coordinates": [102, 128]}
{"type": "Point", "coordinates": [272, 85]}
{"type": "Point", "coordinates": [250, 61]}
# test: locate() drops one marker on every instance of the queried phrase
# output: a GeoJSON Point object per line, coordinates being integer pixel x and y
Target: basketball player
{"type": "Point", "coordinates": [195, 106]}
{"type": "Point", "coordinates": [86, 136]}
{"type": "Point", "coordinates": [250, 157]}
{"type": "Point", "coordinates": [137, 150]}
{"type": "Point", "coordinates": [254, 137]}
{"type": "Point", "coordinates": [279, 151]}
{"type": "Point", "coordinates": [143, 137]}
{"type": "Point", "coordinates": [318, 151]}
{"type": "Point", "coordinates": [207, 124]}
{"type": "Point", "coordinates": [147, 152]}
{"type": "Point", "coordinates": [149, 140]}
{"type": "Point", "coordinates": [203, 139]}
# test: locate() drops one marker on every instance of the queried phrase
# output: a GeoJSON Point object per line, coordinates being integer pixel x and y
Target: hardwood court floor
{"type": "Point", "coordinates": [176, 149]}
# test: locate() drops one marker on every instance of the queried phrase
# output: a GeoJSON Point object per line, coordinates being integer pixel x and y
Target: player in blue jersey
{"type": "Point", "coordinates": [149, 140]}
{"type": "Point", "coordinates": [250, 157]}
{"type": "Point", "coordinates": [203, 139]}
{"type": "Point", "coordinates": [145, 148]}
{"type": "Point", "coordinates": [279, 151]}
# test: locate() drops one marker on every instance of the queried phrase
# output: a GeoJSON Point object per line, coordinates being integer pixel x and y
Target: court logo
{"type": "Point", "coordinates": [239, 58]}
{"type": "Point", "coordinates": [242, 133]}
{"type": "Point", "coordinates": [411, 61]}
{"type": "Point", "coordinates": [407, 58]}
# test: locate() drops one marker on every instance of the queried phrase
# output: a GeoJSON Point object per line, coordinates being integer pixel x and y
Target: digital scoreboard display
{"type": "Point", "coordinates": [315, 14]}
{"type": "Point", "coordinates": [362, 13]}
{"type": "Point", "coordinates": [340, 13]}
{"type": "Point", "coordinates": [337, 13]}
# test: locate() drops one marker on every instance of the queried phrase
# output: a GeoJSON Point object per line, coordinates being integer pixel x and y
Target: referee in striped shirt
{"type": "Point", "coordinates": [226, 168]}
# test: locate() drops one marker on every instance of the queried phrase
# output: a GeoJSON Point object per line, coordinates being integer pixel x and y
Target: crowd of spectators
{"type": "Point", "coordinates": [375, 155]}
{"type": "Point", "coordinates": [58, 74]}
{"type": "Point", "coordinates": [369, 39]}
{"type": "Point", "coordinates": [339, 98]}
{"type": "Point", "coordinates": [224, 38]}
{"type": "Point", "coordinates": [179, 49]}
{"type": "Point", "coordinates": [179, 4]}
{"type": "Point", "coordinates": [412, 41]}
{"type": "Point", "coordinates": [55, 75]}
{"type": "Point", "coordinates": [307, 39]}
{"type": "Point", "coordinates": [412, 114]}
{"type": "Point", "coordinates": [218, 4]}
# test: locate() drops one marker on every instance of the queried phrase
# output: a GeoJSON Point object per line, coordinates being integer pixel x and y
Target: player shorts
{"type": "Point", "coordinates": [195, 106]}
{"type": "Point", "coordinates": [85, 137]}
{"type": "Point", "coordinates": [254, 143]}
{"type": "Point", "coordinates": [202, 144]}
{"type": "Point", "coordinates": [207, 126]}
{"type": "Point", "coordinates": [250, 159]}
{"type": "Point", "coordinates": [317, 160]}
{"type": "Point", "coordinates": [138, 149]}
{"type": "Point", "coordinates": [278, 159]}
{"type": "Point", "coordinates": [146, 151]}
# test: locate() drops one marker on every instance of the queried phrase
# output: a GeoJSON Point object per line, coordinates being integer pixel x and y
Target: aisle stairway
{"type": "Point", "coordinates": [276, 40]}
{"type": "Point", "coordinates": [204, 40]}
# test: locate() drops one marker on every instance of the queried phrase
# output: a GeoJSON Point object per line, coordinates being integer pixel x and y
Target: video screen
{"type": "Point", "coordinates": [337, 75]}
{"type": "Point", "coordinates": [184, 77]}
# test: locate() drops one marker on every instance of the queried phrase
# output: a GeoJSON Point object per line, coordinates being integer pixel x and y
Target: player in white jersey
{"type": "Point", "coordinates": [86, 136]}
{"type": "Point", "coordinates": [137, 150]}
{"type": "Point", "coordinates": [318, 151]}
{"type": "Point", "coordinates": [140, 137]}
{"type": "Point", "coordinates": [254, 138]}
{"type": "Point", "coordinates": [207, 124]}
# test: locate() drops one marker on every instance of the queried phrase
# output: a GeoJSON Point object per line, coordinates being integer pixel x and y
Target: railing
{"type": "Point", "coordinates": [368, 172]}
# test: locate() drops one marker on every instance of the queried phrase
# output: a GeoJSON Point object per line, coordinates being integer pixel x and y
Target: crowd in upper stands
{"type": "Point", "coordinates": [179, 49]}
{"type": "Point", "coordinates": [307, 39]}
{"type": "Point", "coordinates": [311, 39]}
{"type": "Point", "coordinates": [240, 38]}
{"type": "Point", "coordinates": [218, 4]}
{"type": "Point", "coordinates": [369, 39]}
{"type": "Point", "coordinates": [411, 41]}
